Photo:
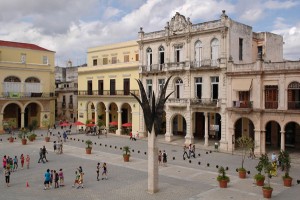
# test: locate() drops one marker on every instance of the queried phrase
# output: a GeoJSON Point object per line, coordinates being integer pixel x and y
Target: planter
{"type": "Point", "coordinates": [223, 183]}
{"type": "Point", "coordinates": [126, 157]}
{"type": "Point", "coordinates": [31, 139]}
{"type": "Point", "coordinates": [260, 182]}
{"type": "Point", "coordinates": [88, 150]}
{"type": "Point", "coordinates": [267, 193]}
{"type": "Point", "coordinates": [11, 139]}
{"type": "Point", "coordinates": [242, 174]}
{"type": "Point", "coordinates": [287, 182]}
{"type": "Point", "coordinates": [24, 141]}
{"type": "Point", "coordinates": [47, 139]}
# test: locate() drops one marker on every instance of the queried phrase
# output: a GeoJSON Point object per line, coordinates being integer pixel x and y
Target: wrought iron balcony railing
{"type": "Point", "coordinates": [205, 102]}
{"type": "Point", "coordinates": [271, 104]}
{"type": "Point", "coordinates": [108, 92]}
{"type": "Point", "coordinates": [294, 105]}
{"type": "Point", "coordinates": [18, 95]}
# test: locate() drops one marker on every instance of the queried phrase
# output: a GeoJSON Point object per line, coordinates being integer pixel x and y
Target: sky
{"type": "Point", "coordinates": [70, 27]}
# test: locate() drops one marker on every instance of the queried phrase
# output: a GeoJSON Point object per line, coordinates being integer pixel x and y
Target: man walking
{"type": "Point", "coordinates": [44, 151]}
{"type": "Point", "coordinates": [41, 156]}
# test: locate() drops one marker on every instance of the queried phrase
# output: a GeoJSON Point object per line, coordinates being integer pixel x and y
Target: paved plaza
{"type": "Point", "coordinates": [180, 179]}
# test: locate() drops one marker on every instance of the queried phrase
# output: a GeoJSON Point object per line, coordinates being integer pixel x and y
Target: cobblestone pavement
{"type": "Point", "coordinates": [180, 179]}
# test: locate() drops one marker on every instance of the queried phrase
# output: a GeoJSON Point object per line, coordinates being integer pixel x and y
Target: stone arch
{"type": "Point", "coordinates": [101, 112]}
{"type": "Point", "coordinates": [12, 78]}
{"type": "Point", "coordinates": [37, 102]}
{"type": "Point", "coordinates": [15, 102]}
{"type": "Point", "coordinates": [178, 124]}
{"type": "Point", "coordinates": [32, 79]}
{"type": "Point", "coordinates": [273, 134]}
{"type": "Point", "coordinates": [292, 134]}
{"type": "Point", "coordinates": [244, 126]}
{"type": "Point", "coordinates": [12, 115]}
{"type": "Point", "coordinates": [32, 111]}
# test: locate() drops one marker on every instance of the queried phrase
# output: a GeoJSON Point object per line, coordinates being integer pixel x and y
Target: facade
{"type": "Point", "coordinates": [66, 89]}
{"type": "Point", "coordinates": [27, 91]}
{"type": "Point", "coordinates": [211, 65]}
{"type": "Point", "coordinates": [104, 87]}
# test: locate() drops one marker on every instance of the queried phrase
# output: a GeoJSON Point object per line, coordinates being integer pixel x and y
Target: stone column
{"type": "Point", "coordinates": [206, 130]}
{"type": "Point", "coordinates": [96, 116]}
{"type": "Point", "coordinates": [1, 123]}
{"type": "Point", "coordinates": [22, 119]}
{"type": "Point", "coordinates": [257, 142]}
{"type": "Point", "coordinates": [107, 119]}
{"type": "Point", "coordinates": [263, 142]}
{"type": "Point", "coordinates": [119, 131]}
{"type": "Point", "coordinates": [169, 130]}
{"type": "Point", "coordinates": [189, 138]}
{"type": "Point", "coordinates": [152, 163]}
{"type": "Point", "coordinates": [282, 140]}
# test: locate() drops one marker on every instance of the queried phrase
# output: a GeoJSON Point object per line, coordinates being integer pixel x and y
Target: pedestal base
{"type": "Point", "coordinates": [168, 138]}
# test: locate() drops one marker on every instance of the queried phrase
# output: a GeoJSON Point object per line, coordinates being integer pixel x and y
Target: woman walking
{"type": "Point", "coordinates": [98, 170]}
{"type": "Point", "coordinates": [22, 160]}
{"type": "Point", "coordinates": [104, 171]}
{"type": "Point", "coordinates": [27, 161]}
{"type": "Point", "coordinates": [7, 176]}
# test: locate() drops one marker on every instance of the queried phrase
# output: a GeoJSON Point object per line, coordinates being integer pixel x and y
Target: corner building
{"type": "Point", "coordinates": [216, 93]}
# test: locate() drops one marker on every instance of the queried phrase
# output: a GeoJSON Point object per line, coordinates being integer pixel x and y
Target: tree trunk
{"type": "Point", "coordinates": [152, 163]}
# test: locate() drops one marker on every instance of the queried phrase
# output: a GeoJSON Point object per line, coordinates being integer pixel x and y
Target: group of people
{"type": "Point", "coordinates": [162, 158]}
{"type": "Point", "coordinates": [78, 182]}
{"type": "Point", "coordinates": [11, 165]}
{"type": "Point", "coordinates": [53, 176]}
{"type": "Point", "coordinates": [58, 146]}
{"type": "Point", "coordinates": [42, 153]}
{"type": "Point", "coordinates": [104, 172]}
{"type": "Point", "coordinates": [189, 151]}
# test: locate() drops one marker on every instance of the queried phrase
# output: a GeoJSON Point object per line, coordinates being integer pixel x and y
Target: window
{"type": "Point", "coordinates": [90, 87]}
{"type": "Point", "coordinates": [137, 57]}
{"type": "Point", "coordinates": [113, 60]}
{"type": "Point", "coordinates": [149, 87]}
{"type": "Point", "coordinates": [105, 61]}
{"type": "Point", "coordinates": [161, 52]}
{"type": "Point", "coordinates": [259, 52]}
{"type": "Point", "coordinates": [149, 58]}
{"type": "Point", "coordinates": [179, 88]}
{"type": "Point", "coordinates": [271, 96]}
{"type": "Point", "coordinates": [23, 58]}
{"type": "Point", "coordinates": [45, 60]}
{"type": "Point", "coordinates": [214, 52]}
{"type": "Point", "coordinates": [240, 48]}
{"type": "Point", "coordinates": [198, 87]}
{"type": "Point", "coordinates": [100, 87]}
{"type": "Point", "coordinates": [112, 86]}
{"type": "Point", "coordinates": [71, 99]}
{"type": "Point", "coordinates": [126, 58]}
{"type": "Point", "coordinates": [178, 53]}
{"type": "Point", "coordinates": [198, 53]}
{"type": "Point", "coordinates": [94, 62]}
{"type": "Point", "coordinates": [214, 88]}
{"type": "Point", "coordinates": [294, 96]}
{"type": "Point", "coordinates": [64, 101]}
{"type": "Point", "coordinates": [161, 83]}
{"type": "Point", "coordinates": [126, 86]}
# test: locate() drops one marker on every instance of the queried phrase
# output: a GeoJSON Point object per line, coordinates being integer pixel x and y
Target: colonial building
{"type": "Point", "coordinates": [222, 73]}
{"type": "Point", "coordinates": [27, 89]}
{"type": "Point", "coordinates": [66, 81]}
{"type": "Point", "coordinates": [104, 87]}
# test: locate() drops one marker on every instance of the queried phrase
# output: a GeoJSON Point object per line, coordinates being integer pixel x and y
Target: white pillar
{"type": "Point", "coordinates": [206, 129]}
{"type": "Point", "coordinates": [152, 163]}
{"type": "Point", "coordinates": [257, 142]}
{"type": "Point", "coordinates": [107, 119]}
{"type": "Point", "coordinates": [169, 129]}
{"type": "Point", "coordinates": [282, 140]}
{"type": "Point", "coordinates": [23, 120]}
{"type": "Point", "coordinates": [263, 142]}
{"type": "Point", "coordinates": [119, 131]}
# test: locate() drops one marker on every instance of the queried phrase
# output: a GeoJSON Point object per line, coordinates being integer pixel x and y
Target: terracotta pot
{"type": "Point", "coordinates": [47, 139]}
{"type": "Point", "coordinates": [242, 174]}
{"type": "Point", "coordinates": [260, 182]}
{"type": "Point", "coordinates": [267, 193]}
{"type": "Point", "coordinates": [11, 139]}
{"type": "Point", "coordinates": [88, 150]}
{"type": "Point", "coordinates": [31, 139]}
{"type": "Point", "coordinates": [126, 157]}
{"type": "Point", "coordinates": [223, 183]}
{"type": "Point", "coordinates": [24, 141]}
{"type": "Point", "coordinates": [287, 182]}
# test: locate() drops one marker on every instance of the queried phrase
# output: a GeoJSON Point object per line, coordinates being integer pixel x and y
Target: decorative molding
{"type": "Point", "coordinates": [89, 77]}
{"type": "Point", "coordinates": [100, 76]}
{"type": "Point", "coordinates": [126, 75]}
{"type": "Point", "coordinates": [112, 76]}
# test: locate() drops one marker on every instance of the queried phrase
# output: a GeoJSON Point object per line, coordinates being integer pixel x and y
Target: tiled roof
{"type": "Point", "coordinates": [22, 45]}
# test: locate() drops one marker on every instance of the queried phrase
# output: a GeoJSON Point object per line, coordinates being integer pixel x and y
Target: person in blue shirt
{"type": "Point", "coordinates": [47, 179]}
{"type": "Point", "coordinates": [65, 136]}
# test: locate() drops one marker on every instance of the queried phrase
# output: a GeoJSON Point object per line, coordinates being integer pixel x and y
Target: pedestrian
{"type": "Point", "coordinates": [61, 147]}
{"type": "Point", "coordinates": [4, 162]}
{"type": "Point", "coordinates": [54, 146]}
{"type": "Point", "coordinates": [98, 170]}
{"type": "Point", "coordinates": [7, 176]}
{"type": "Point", "coordinates": [44, 153]}
{"type": "Point", "coordinates": [51, 178]}
{"type": "Point", "coordinates": [164, 155]}
{"type": "Point", "coordinates": [56, 179]}
{"type": "Point", "coordinates": [130, 136]}
{"type": "Point", "coordinates": [80, 169]}
{"type": "Point", "coordinates": [185, 153]}
{"type": "Point", "coordinates": [58, 147]}
{"type": "Point", "coordinates": [80, 182]}
{"type": "Point", "coordinates": [190, 150]}
{"type": "Point", "coordinates": [11, 163]}
{"type": "Point", "coordinates": [61, 177]}
{"type": "Point", "coordinates": [50, 131]}
{"type": "Point", "coordinates": [65, 136]}
{"type": "Point", "coordinates": [47, 179]}
{"type": "Point", "coordinates": [77, 177]}
{"type": "Point", "coordinates": [22, 160]}
{"type": "Point", "coordinates": [41, 156]}
{"type": "Point", "coordinates": [27, 161]}
{"type": "Point", "coordinates": [15, 163]}
{"type": "Point", "coordinates": [159, 157]}
{"type": "Point", "coordinates": [104, 172]}
{"type": "Point", "coordinates": [193, 151]}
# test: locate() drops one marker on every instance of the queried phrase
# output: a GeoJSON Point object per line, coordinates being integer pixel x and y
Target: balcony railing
{"type": "Point", "coordinates": [178, 100]}
{"type": "Point", "coordinates": [108, 92]}
{"type": "Point", "coordinates": [204, 63]}
{"type": "Point", "coordinates": [271, 104]}
{"type": "Point", "coordinates": [294, 105]}
{"type": "Point", "coordinates": [174, 66]}
{"type": "Point", "coordinates": [204, 102]}
{"type": "Point", "coordinates": [18, 95]}
{"type": "Point", "coordinates": [242, 104]}
{"type": "Point", "coordinates": [153, 68]}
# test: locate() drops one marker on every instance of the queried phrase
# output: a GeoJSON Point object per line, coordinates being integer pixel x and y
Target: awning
{"type": "Point", "coordinates": [241, 84]}
{"type": "Point", "coordinates": [270, 82]}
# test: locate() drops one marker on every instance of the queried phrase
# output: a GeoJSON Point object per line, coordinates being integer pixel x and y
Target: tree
{"type": "Point", "coordinates": [246, 144]}
{"type": "Point", "coordinates": [153, 115]}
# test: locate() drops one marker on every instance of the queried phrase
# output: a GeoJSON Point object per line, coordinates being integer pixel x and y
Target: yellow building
{"type": "Point", "coordinates": [27, 89]}
{"type": "Point", "coordinates": [104, 87]}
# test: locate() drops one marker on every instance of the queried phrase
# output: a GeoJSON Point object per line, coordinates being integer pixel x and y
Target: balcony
{"type": "Point", "coordinates": [179, 103]}
{"type": "Point", "coordinates": [154, 68]}
{"type": "Point", "coordinates": [204, 64]}
{"type": "Point", "coordinates": [205, 102]}
{"type": "Point", "coordinates": [108, 92]}
{"type": "Point", "coordinates": [242, 104]}
{"type": "Point", "coordinates": [271, 104]}
{"type": "Point", "coordinates": [294, 105]}
{"type": "Point", "coordinates": [176, 66]}
{"type": "Point", "coordinates": [21, 95]}
{"type": "Point", "coordinates": [63, 105]}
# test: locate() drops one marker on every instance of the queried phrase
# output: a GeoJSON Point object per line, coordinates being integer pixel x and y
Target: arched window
{"type": "Point", "coordinates": [161, 56]}
{"type": "Point", "coordinates": [294, 96]}
{"type": "Point", "coordinates": [149, 58]}
{"type": "Point", "coordinates": [11, 84]}
{"type": "Point", "coordinates": [12, 79]}
{"type": "Point", "coordinates": [179, 88]}
{"type": "Point", "coordinates": [32, 85]}
{"type": "Point", "coordinates": [32, 80]}
{"type": "Point", "coordinates": [214, 52]}
{"type": "Point", "coordinates": [198, 53]}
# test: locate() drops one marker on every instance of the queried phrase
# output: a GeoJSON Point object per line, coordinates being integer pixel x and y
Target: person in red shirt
{"type": "Point", "coordinates": [22, 158]}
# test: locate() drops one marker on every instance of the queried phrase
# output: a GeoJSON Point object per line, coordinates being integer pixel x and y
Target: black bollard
{"type": "Point", "coordinates": [173, 158]}
{"type": "Point", "coordinates": [190, 161]}
{"type": "Point", "coordinates": [217, 166]}
{"type": "Point", "coordinates": [199, 163]}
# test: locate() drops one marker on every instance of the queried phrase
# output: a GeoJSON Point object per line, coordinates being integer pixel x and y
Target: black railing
{"type": "Point", "coordinates": [108, 92]}
{"type": "Point", "coordinates": [204, 102]}
{"type": "Point", "coordinates": [16, 95]}
{"type": "Point", "coordinates": [294, 105]}
{"type": "Point", "coordinates": [153, 68]}
{"type": "Point", "coordinates": [242, 104]}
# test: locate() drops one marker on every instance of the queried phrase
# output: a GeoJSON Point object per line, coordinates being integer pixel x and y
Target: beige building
{"type": "Point", "coordinates": [104, 87]}
{"type": "Point", "coordinates": [213, 65]}
{"type": "Point", "coordinates": [27, 90]}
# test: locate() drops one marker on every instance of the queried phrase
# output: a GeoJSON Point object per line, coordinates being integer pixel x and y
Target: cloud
{"type": "Point", "coordinates": [280, 4]}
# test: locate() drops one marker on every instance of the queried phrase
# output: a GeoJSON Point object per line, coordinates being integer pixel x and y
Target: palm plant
{"type": "Point", "coordinates": [89, 144]}
{"type": "Point", "coordinates": [126, 150]}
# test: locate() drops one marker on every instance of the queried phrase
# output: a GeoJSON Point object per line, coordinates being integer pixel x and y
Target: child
{"type": "Point", "coordinates": [77, 177]}
{"type": "Point", "coordinates": [56, 179]}
{"type": "Point", "coordinates": [61, 177]}
{"type": "Point", "coordinates": [22, 160]}
{"type": "Point", "coordinates": [15, 163]}
{"type": "Point", "coordinates": [80, 181]}
{"type": "Point", "coordinates": [104, 171]}
{"type": "Point", "coordinates": [27, 161]}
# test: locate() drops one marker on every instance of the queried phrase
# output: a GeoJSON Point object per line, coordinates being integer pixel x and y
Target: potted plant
{"type": "Point", "coordinates": [222, 178]}
{"type": "Point", "coordinates": [260, 178]}
{"type": "Point", "coordinates": [267, 167]}
{"type": "Point", "coordinates": [32, 137]}
{"type": "Point", "coordinates": [22, 136]}
{"type": "Point", "coordinates": [88, 149]}
{"type": "Point", "coordinates": [285, 162]}
{"type": "Point", "coordinates": [126, 153]}
{"type": "Point", "coordinates": [246, 144]}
